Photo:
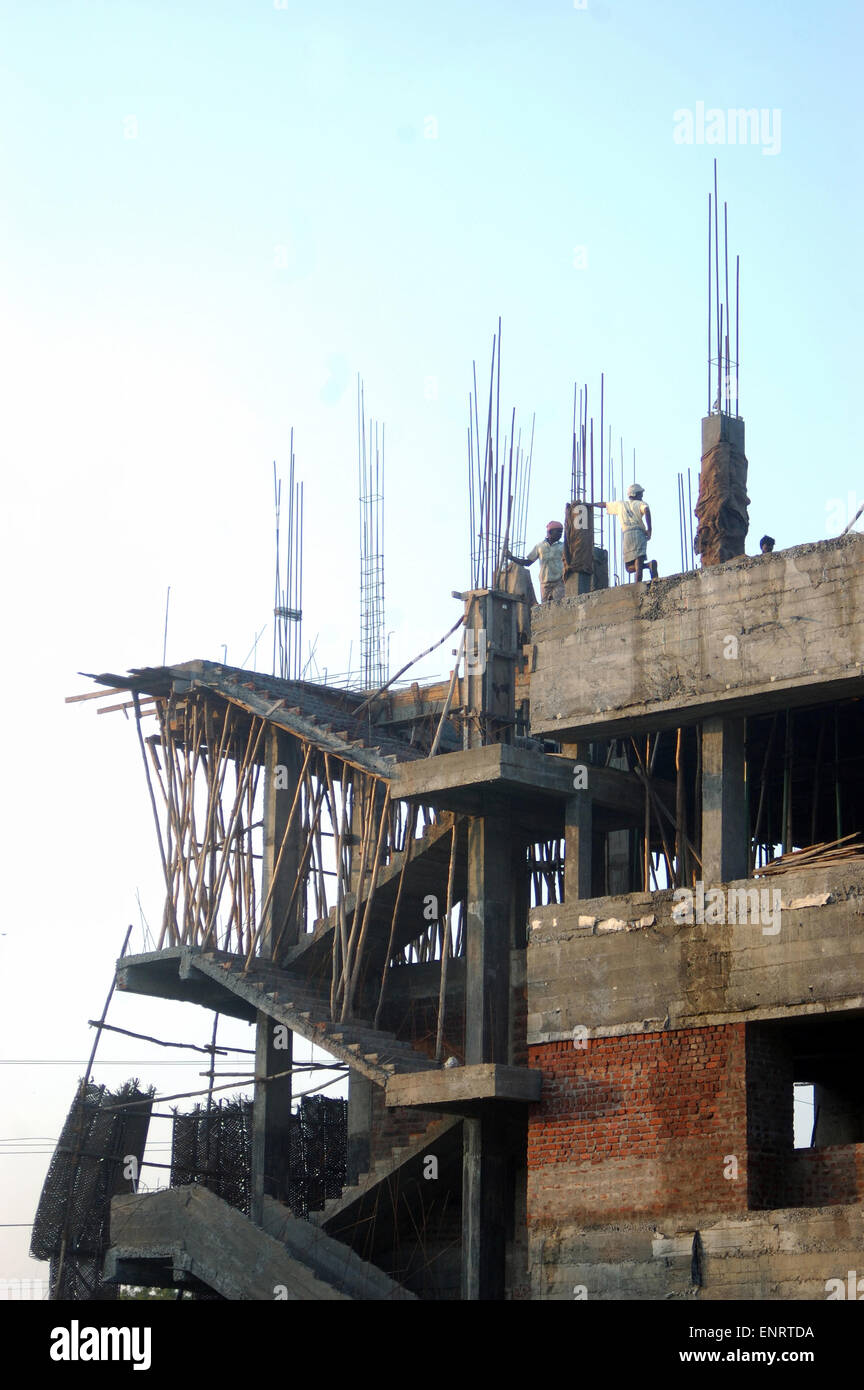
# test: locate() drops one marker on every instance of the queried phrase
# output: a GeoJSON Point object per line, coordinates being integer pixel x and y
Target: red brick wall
{"type": "Point", "coordinates": [393, 1128]}
{"type": "Point", "coordinates": [639, 1125]}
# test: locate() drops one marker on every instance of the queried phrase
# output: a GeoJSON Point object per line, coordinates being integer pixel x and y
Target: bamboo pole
{"type": "Point", "coordinates": [170, 909]}
{"type": "Point", "coordinates": [449, 700]}
{"type": "Point", "coordinates": [356, 956]}
{"type": "Point", "coordinates": [304, 866]}
{"type": "Point", "coordinates": [273, 877]}
{"type": "Point", "coordinates": [445, 944]}
{"type": "Point", "coordinates": [409, 846]}
{"type": "Point", "coordinates": [762, 785]}
{"type": "Point", "coordinates": [367, 804]}
{"type": "Point", "coordinates": [248, 756]}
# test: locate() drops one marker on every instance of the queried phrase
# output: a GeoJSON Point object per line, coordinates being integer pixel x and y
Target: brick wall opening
{"type": "Point", "coordinates": [826, 1167]}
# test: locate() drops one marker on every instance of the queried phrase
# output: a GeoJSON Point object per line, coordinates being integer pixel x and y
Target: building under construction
{"type": "Point", "coordinates": [577, 921]}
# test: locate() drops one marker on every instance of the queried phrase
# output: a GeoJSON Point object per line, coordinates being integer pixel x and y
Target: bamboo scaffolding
{"type": "Point", "coordinates": [445, 942]}
{"type": "Point", "coordinates": [357, 958]}
{"type": "Point", "coordinates": [249, 754]}
{"type": "Point", "coordinates": [289, 826]}
{"type": "Point", "coordinates": [409, 845]}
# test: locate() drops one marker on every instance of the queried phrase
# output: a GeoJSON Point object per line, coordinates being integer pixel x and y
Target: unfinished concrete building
{"type": "Point", "coordinates": [577, 922]}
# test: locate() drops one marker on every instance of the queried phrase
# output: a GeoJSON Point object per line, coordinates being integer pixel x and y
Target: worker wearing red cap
{"type": "Point", "coordinates": [550, 553]}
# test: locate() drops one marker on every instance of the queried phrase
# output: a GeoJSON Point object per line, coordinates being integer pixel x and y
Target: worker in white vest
{"type": "Point", "coordinates": [550, 553]}
{"type": "Point", "coordinates": [634, 516]}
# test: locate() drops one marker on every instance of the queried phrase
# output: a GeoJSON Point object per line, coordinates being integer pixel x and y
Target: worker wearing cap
{"type": "Point", "coordinates": [635, 518]}
{"type": "Point", "coordinates": [550, 553]}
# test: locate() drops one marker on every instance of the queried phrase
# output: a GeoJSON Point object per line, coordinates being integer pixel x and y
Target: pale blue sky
{"type": "Point", "coordinates": [174, 302]}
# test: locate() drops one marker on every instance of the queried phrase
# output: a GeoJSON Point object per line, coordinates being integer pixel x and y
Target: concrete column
{"type": "Point", "coordinates": [271, 1107]}
{"type": "Point", "coordinates": [359, 1126]}
{"type": "Point", "coordinates": [487, 1039]}
{"type": "Point", "coordinates": [619, 862]}
{"type": "Point", "coordinates": [281, 772]}
{"type": "Point", "coordinates": [491, 655]}
{"type": "Point", "coordinates": [487, 964]}
{"type": "Point", "coordinates": [578, 824]}
{"type": "Point", "coordinates": [725, 828]}
{"type": "Point", "coordinates": [484, 1203]}
{"type": "Point", "coordinates": [271, 1112]}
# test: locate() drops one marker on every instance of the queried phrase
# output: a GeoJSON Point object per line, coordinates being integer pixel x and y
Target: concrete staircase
{"type": "Point", "coordinates": [188, 1237]}
{"type": "Point", "coordinates": [375, 1053]}
{"type": "Point", "coordinates": [426, 874]}
{"type": "Point", "coordinates": [404, 1162]}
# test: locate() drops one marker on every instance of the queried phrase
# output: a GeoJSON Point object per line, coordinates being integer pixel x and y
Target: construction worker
{"type": "Point", "coordinates": [635, 518]}
{"type": "Point", "coordinates": [550, 553]}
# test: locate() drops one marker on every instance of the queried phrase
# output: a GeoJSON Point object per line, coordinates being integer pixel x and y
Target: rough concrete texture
{"type": "Point", "coordinates": [769, 627]}
{"type": "Point", "coordinates": [213, 1242]}
{"type": "Point", "coordinates": [789, 1253]}
{"type": "Point", "coordinates": [621, 965]}
{"type": "Point", "coordinates": [458, 1085]}
{"type": "Point", "coordinates": [331, 1259]}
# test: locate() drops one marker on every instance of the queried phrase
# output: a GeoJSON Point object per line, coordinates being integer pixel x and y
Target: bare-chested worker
{"type": "Point", "coordinates": [550, 553]}
{"type": "Point", "coordinates": [635, 518]}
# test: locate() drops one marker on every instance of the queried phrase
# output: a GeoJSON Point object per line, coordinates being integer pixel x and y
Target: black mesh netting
{"type": "Point", "coordinates": [318, 1153]}
{"type": "Point", "coordinates": [214, 1147]}
{"type": "Point", "coordinates": [90, 1165]}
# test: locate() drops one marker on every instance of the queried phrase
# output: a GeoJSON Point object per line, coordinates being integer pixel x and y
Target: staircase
{"type": "Point", "coordinates": [402, 1159]}
{"type": "Point", "coordinates": [375, 1053]}
{"type": "Point", "coordinates": [426, 874]}
{"type": "Point", "coordinates": [187, 1236]}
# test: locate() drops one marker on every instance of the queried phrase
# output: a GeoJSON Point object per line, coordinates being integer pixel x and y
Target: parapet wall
{"type": "Point", "coordinates": [781, 628]}
{"type": "Point", "coordinates": [624, 964]}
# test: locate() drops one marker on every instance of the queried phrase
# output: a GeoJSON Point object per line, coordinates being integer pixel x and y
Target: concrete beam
{"type": "Point", "coordinates": [453, 1087]}
{"type": "Point", "coordinates": [460, 781]}
{"type": "Point", "coordinates": [751, 635]}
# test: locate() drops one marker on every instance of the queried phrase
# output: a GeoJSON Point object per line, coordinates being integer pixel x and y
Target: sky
{"type": "Point", "coordinates": [216, 214]}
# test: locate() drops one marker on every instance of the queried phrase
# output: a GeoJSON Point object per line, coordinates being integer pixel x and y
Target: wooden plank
{"type": "Point", "coordinates": [92, 695]}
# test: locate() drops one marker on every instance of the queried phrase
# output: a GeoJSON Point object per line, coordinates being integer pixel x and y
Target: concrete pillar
{"type": "Point", "coordinates": [487, 964]}
{"type": "Point", "coordinates": [725, 827]}
{"type": "Point", "coordinates": [578, 835]}
{"type": "Point", "coordinates": [271, 1112]}
{"type": "Point", "coordinates": [491, 653]}
{"type": "Point", "coordinates": [619, 862]}
{"type": "Point", "coordinates": [484, 1207]}
{"type": "Point", "coordinates": [487, 1039]}
{"type": "Point", "coordinates": [722, 505]}
{"type": "Point", "coordinates": [281, 772]}
{"type": "Point", "coordinates": [359, 1126]}
{"type": "Point", "coordinates": [271, 1107]}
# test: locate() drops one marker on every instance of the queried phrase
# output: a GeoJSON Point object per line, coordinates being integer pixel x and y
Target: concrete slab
{"type": "Point", "coordinates": [468, 781]}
